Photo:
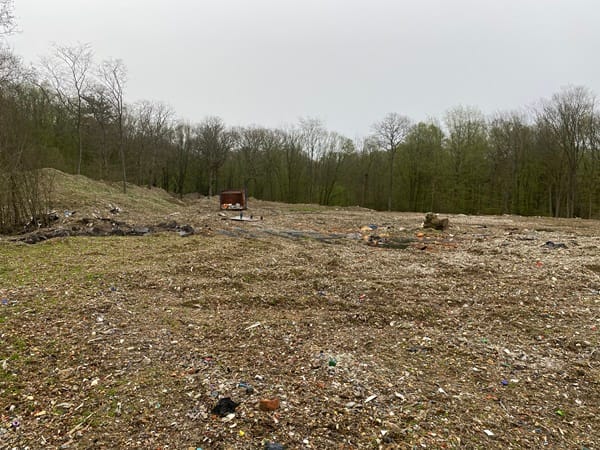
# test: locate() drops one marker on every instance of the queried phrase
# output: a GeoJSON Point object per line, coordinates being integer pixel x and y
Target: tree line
{"type": "Point", "coordinates": [69, 112]}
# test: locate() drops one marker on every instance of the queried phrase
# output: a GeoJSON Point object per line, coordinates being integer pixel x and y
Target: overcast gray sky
{"type": "Point", "coordinates": [347, 62]}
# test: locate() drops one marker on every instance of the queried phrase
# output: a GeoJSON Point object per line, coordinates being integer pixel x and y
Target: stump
{"type": "Point", "coordinates": [433, 221]}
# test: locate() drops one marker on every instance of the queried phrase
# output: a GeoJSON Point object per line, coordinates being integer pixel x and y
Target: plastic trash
{"type": "Point", "coordinates": [224, 407]}
{"type": "Point", "coordinates": [319, 360]}
{"type": "Point", "coordinates": [370, 398]}
{"type": "Point", "coordinates": [249, 388]}
{"type": "Point", "coordinates": [273, 446]}
{"type": "Point", "coordinates": [332, 362]}
{"type": "Point", "coordinates": [553, 245]}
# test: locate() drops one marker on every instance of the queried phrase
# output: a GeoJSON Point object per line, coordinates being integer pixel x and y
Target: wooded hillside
{"type": "Point", "coordinates": [69, 112]}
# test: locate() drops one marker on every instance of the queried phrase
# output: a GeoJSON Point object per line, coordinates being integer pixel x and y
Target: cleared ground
{"type": "Point", "coordinates": [484, 335]}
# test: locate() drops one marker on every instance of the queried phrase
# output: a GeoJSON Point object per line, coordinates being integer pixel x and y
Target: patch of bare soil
{"type": "Point", "coordinates": [326, 328]}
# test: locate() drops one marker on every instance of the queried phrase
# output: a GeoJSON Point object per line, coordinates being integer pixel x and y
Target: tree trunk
{"type": "Point", "coordinates": [122, 154]}
{"type": "Point", "coordinates": [391, 180]}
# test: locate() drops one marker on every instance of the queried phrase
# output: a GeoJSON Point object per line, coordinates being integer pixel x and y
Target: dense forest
{"type": "Point", "coordinates": [69, 112]}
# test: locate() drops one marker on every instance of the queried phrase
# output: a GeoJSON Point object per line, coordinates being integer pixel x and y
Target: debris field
{"type": "Point", "coordinates": [305, 327]}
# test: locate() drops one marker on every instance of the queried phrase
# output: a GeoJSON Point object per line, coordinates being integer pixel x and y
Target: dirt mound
{"type": "Point", "coordinates": [87, 197]}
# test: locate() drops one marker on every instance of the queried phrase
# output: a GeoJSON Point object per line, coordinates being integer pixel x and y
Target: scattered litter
{"type": "Point", "coordinates": [368, 228]}
{"type": "Point", "coordinates": [224, 407]}
{"type": "Point", "coordinates": [553, 245]}
{"type": "Point", "coordinates": [102, 227]}
{"type": "Point", "coordinates": [389, 242]}
{"type": "Point", "coordinates": [229, 417]}
{"type": "Point", "coordinates": [65, 405]}
{"type": "Point", "coordinates": [273, 446]}
{"type": "Point", "coordinates": [371, 398]}
{"type": "Point", "coordinates": [489, 433]}
{"type": "Point", "coordinates": [248, 387]}
{"type": "Point", "coordinates": [294, 298]}
{"type": "Point", "coordinates": [184, 230]}
{"type": "Point", "coordinates": [269, 404]}
{"type": "Point", "coordinates": [242, 218]}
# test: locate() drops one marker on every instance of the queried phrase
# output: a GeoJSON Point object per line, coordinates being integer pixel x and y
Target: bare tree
{"type": "Point", "coordinates": [11, 69]}
{"type": "Point", "coordinates": [422, 155]}
{"type": "Point", "coordinates": [102, 111]}
{"type": "Point", "coordinates": [467, 147]}
{"type": "Point", "coordinates": [214, 144]}
{"type": "Point", "coordinates": [569, 117]}
{"type": "Point", "coordinates": [184, 142]}
{"type": "Point", "coordinates": [293, 159]}
{"type": "Point", "coordinates": [67, 72]}
{"type": "Point", "coordinates": [511, 139]}
{"type": "Point", "coordinates": [112, 76]}
{"type": "Point", "coordinates": [313, 135]}
{"type": "Point", "coordinates": [367, 148]}
{"type": "Point", "coordinates": [7, 17]}
{"type": "Point", "coordinates": [390, 133]}
{"type": "Point", "coordinates": [252, 148]}
{"type": "Point", "coordinates": [336, 149]}
{"type": "Point", "coordinates": [592, 174]}
{"type": "Point", "coordinates": [153, 124]}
